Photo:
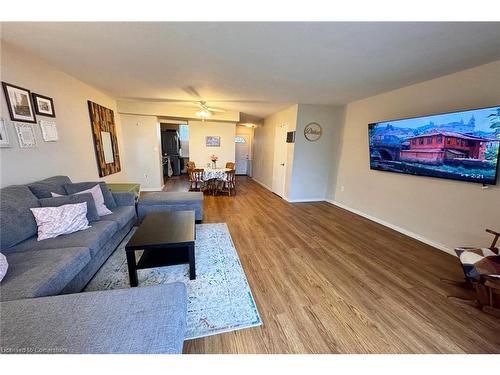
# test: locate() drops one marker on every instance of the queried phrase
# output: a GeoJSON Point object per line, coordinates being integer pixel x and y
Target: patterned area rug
{"type": "Point", "coordinates": [219, 300]}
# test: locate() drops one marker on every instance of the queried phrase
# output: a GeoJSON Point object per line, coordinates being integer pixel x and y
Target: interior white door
{"type": "Point", "coordinates": [242, 152]}
{"type": "Point", "coordinates": [279, 167]}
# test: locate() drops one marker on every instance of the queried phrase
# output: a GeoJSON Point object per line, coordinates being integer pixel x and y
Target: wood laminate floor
{"type": "Point", "coordinates": [328, 281]}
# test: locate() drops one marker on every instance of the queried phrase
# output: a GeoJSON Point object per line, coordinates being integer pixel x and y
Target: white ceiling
{"type": "Point", "coordinates": [279, 63]}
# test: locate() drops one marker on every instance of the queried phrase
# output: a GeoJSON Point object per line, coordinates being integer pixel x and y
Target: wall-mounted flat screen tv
{"type": "Point", "coordinates": [458, 145]}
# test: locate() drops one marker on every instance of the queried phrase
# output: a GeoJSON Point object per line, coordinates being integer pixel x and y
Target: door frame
{"type": "Point", "coordinates": [284, 129]}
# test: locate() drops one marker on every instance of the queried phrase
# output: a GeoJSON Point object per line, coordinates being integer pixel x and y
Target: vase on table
{"type": "Point", "coordinates": [214, 164]}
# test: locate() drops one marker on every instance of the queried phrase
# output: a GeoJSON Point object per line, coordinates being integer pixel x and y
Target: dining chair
{"type": "Point", "coordinates": [231, 165]}
{"type": "Point", "coordinates": [481, 267]}
{"type": "Point", "coordinates": [196, 181]}
{"type": "Point", "coordinates": [191, 165]}
{"type": "Point", "coordinates": [228, 185]}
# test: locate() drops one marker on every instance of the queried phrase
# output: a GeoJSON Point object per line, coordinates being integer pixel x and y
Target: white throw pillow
{"type": "Point", "coordinates": [98, 199]}
{"type": "Point", "coordinates": [65, 219]}
{"type": "Point", "coordinates": [3, 266]}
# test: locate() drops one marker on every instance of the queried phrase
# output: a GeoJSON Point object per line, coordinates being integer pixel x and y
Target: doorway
{"type": "Point", "coordinates": [279, 161]}
{"type": "Point", "coordinates": [174, 151]}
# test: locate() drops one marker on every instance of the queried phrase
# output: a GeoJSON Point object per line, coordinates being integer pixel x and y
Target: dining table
{"type": "Point", "coordinates": [215, 174]}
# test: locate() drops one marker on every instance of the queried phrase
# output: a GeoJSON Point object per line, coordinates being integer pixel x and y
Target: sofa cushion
{"type": "Point", "coordinates": [44, 188]}
{"type": "Point", "coordinates": [93, 238]}
{"type": "Point", "coordinates": [121, 215]}
{"type": "Point", "coordinates": [72, 199]}
{"type": "Point", "coordinates": [79, 186]}
{"type": "Point", "coordinates": [42, 273]}
{"type": "Point", "coordinates": [136, 320]}
{"type": "Point", "coordinates": [17, 223]}
{"type": "Point", "coordinates": [124, 198]}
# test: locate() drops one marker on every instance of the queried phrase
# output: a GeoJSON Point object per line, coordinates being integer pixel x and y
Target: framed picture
{"type": "Point", "coordinates": [44, 105]}
{"type": "Point", "coordinates": [19, 103]}
{"type": "Point", "coordinates": [49, 131]}
{"type": "Point", "coordinates": [25, 135]}
{"type": "Point", "coordinates": [102, 121]}
{"type": "Point", "coordinates": [4, 136]}
{"type": "Point", "coordinates": [212, 141]}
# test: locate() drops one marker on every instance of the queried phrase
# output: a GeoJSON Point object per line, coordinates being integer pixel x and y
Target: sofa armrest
{"type": "Point", "coordinates": [124, 198]}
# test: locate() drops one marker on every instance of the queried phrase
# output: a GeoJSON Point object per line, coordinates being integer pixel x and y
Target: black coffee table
{"type": "Point", "coordinates": [167, 238]}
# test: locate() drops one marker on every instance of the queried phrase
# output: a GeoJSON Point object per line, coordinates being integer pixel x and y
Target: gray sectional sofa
{"type": "Point", "coordinates": [171, 201]}
{"type": "Point", "coordinates": [138, 320]}
{"type": "Point", "coordinates": [37, 309]}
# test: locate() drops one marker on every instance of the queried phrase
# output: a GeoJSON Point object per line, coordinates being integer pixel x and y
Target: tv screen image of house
{"type": "Point", "coordinates": [459, 145]}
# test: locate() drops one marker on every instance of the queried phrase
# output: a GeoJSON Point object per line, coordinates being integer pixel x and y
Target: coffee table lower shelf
{"type": "Point", "coordinates": [153, 258]}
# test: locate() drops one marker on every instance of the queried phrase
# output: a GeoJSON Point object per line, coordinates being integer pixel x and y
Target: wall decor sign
{"type": "Point", "coordinates": [4, 135]}
{"type": "Point", "coordinates": [212, 141]}
{"type": "Point", "coordinates": [44, 105]}
{"type": "Point", "coordinates": [49, 131]}
{"type": "Point", "coordinates": [19, 103]}
{"type": "Point", "coordinates": [25, 135]}
{"type": "Point", "coordinates": [313, 131]}
{"type": "Point", "coordinates": [102, 121]}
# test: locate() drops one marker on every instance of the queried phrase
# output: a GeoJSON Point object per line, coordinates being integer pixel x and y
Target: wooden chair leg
{"type": "Point", "coordinates": [465, 301]}
{"type": "Point", "coordinates": [462, 283]}
{"type": "Point", "coordinates": [492, 311]}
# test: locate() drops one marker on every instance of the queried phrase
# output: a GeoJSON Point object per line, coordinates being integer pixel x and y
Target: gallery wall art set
{"type": "Point", "coordinates": [23, 107]}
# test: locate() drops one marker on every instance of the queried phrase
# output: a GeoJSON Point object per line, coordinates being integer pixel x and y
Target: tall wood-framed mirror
{"type": "Point", "coordinates": [102, 120]}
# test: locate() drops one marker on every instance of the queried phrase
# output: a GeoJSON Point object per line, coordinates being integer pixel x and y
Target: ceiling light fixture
{"type": "Point", "coordinates": [203, 113]}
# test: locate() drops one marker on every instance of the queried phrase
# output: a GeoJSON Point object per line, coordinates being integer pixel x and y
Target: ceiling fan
{"type": "Point", "coordinates": [204, 110]}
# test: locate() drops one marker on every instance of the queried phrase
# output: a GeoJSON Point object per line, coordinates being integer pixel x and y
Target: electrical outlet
{"type": "Point", "coordinates": [342, 188]}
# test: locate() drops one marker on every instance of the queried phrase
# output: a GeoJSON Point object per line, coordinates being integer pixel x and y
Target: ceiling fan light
{"type": "Point", "coordinates": [203, 113]}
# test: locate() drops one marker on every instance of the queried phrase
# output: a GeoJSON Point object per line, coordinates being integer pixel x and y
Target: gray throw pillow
{"type": "Point", "coordinates": [74, 188]}
{"type": "Point", "coordinates": [73, 199]}
{"type": "Point", "coordinates": [44, 188]}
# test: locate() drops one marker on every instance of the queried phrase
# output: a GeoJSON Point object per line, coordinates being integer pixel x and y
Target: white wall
{"type": "Point", "coordinates": [443, 212]}
{"type": "Point", "coordinates": [314, 162]}
{"type": "Point", "coordinates": [142, 144]}
{"type": "Point", "coordinates": [73, 154]}
{"type": "Point", "coordinates": [200, 153]}
{"type": "Point", "coordinates": [310, 165]}
{"type": "Point", "coordinates": [263, 147]}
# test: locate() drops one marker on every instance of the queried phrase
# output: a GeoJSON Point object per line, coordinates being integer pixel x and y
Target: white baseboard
{"type": "Point", "coordinates": [262, 184]}
{"type": "Point", "coordinates": [286, 198]}
{"type": "Point", "coordinates": [306, 200]}
{"type": "Point", "coordinates": [406, 232]}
